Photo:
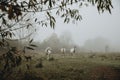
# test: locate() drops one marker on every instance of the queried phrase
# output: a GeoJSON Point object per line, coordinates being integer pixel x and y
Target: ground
{"type": "Point", "coordinates": [80, 66]}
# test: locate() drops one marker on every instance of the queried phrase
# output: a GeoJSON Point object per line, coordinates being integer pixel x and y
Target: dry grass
{"type": "Point", "coordinates": [78, 67]}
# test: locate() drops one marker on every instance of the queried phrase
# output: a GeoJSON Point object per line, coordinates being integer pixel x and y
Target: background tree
{"type": "Point", "coordinates": [98, 44]}
{"type": "Point", "coordinates": [66, 38]}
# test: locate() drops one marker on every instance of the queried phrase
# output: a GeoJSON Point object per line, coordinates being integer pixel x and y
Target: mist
{"type": "Point", "coordinates": [32, 48]}
{"type": "Point", "coordinates": [91, 27]}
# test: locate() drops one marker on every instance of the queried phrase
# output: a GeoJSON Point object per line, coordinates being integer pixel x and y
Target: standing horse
{"type": "Point", "coordinates": [48, 52]}
{"type": "Point", "coordinates": [73, 50]}
{"type": "Point", "coordinates": [63, 50]}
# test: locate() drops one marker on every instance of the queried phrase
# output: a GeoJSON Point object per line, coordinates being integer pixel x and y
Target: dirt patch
{"type": "Point", "coordinates": [104, 73]}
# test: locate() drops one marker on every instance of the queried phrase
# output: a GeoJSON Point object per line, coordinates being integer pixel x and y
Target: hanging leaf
{"type": "Point", "coordinates": [53, 19]}
{"type": "Point", "coordinates": [4, 21]}
{"type": "Point", "coordinates": [51, 23]}
{"type": "Point", "coordinates": [63, 15]}
{"type": "Point", "coordinates": [48, 14]}
{"type": "Point", "coordinates": [50, 3]}
{"type": "Point", "coordinates": [27, 19]}
{"type": "Point", "coordinates": [71, 2]}
{"type": "Point", "coordinates": [31, 41]}
{"type": "Point", "coordinates": [46, 1]}
{"type": "Point", "coordinates": [57, 13]}
{"type": "Point", "coordinates": [33, 45]}
{"type": "Point", "coordinates": [76, 0]}
{"type": "Point", "coordinates": [35, 19]}
{"type": "Point", "coordinates": [65, 19]}
{"type": "Point", "coordinates": [1, 15]}
{"type": "Point", "coordinates": [30, 48]}
{"type": "Point", "coordinates": [80, 4]}
{"type": "Point", "coordinates": [108, 8]}
{"type": "Point", "coordinates": [10, 34]}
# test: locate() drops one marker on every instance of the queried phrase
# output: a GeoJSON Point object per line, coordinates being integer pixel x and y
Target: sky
{"type": "Point", "coordinates": [92, 25]}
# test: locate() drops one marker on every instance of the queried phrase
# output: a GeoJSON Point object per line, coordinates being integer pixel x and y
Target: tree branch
{"type": "Point", "coordinates": [14, 23]}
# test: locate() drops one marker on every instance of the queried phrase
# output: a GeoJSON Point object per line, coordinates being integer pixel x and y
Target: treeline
{"type": "Point", "coordinates": [57, 42]}
{"type": "Point", "coordinates": [54, 41]}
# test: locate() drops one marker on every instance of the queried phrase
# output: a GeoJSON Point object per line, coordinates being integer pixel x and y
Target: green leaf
{"type": "Point", "coordinates": [48, 14]}
{"type": "Point", "coordinates": [65, 20]}
{"type": "Point", "coordinates": [30, 48]}
{"type": "Point", "coordinates": [109, 9]}
{"type": "Point", "coordinates": [46, 1]}
{"type": "Point", "coordinates": [33, 45]}
{"type": "Point", "coordinates": [76, 1]}
{"type": "Point", "coordinates": [53, 18]}
{"type": "Point", "coordinates": [27, 19]}
{"type": "Point", "coordinates": [50, 3]}
{"type": "Point", "coordinates": [80, 4]}
{"type": "Point", "coordinates": [31, 41]}
{"type": "Point", "coordinates": [10, 34]}
{"type": "Point", "coordinates": [71, 1]}
{"type": "Point", "coordinates": [51, 23]}
{"type": "Point", "coordinates": [68, 19]}
{"type": "Point", "coordinates": [35, 19]}
{"type": "Point", "coordinates": [63, 15]}
{"type": "Point", "coordinates": [4, 21]}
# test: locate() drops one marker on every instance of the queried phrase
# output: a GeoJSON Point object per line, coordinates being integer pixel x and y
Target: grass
{"type": "Point", "coordinates": [77, 67]}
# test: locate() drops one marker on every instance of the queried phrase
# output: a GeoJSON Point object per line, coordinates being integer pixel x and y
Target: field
{"type": "Point", "coordinates": [80, 66]}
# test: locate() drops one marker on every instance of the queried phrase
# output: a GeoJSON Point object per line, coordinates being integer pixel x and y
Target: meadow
{"type": "Point", "coordinates": [80, 66]}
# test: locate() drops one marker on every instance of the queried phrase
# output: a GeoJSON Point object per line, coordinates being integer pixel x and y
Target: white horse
{"type": "Point", "coordinates": [48, 52]}
{"type": "Point", "coordinates": [63, 50]}
{"type": "Point", "coordinates": [72, 50]}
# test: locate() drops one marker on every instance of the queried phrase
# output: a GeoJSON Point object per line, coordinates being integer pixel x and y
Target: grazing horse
{"type": "Point", "coordinates": [63, 50]}
{"type": "Point", "coordinates": [48, 52]}
{"type": "Point", "coordinates": [72, 50]}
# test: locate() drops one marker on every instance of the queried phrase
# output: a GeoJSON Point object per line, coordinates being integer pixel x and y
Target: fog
{"type": "Point", "coordinates": [99, 30]}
